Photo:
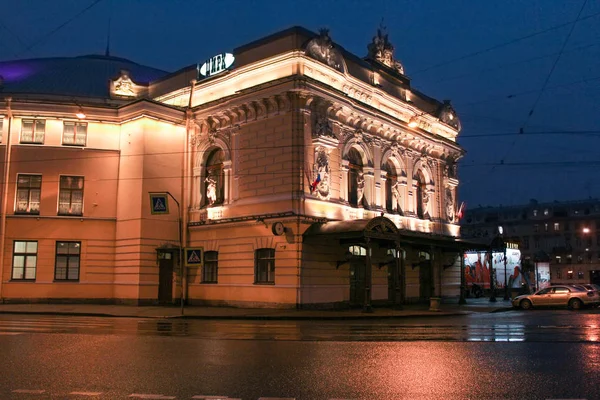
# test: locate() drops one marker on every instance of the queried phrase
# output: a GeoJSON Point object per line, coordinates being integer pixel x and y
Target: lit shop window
{"type": "Point", "coordinates": [33, 131]}
{"type": "Point", "coordinates": [67, 261]}
{"type": "Point", "coordinates": [29, 189]}
{"type": "Point", "coordinates": [70, 200]}
{"type": "Point", "coordinates": [74, 133]}
{"type": "Point", "coordinates": [24, 260]}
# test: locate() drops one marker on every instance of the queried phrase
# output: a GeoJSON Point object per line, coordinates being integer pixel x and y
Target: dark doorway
{"type": "Point", "coordinates": [425, 279]}
{"type": "Point", "coordinates": [595, 277]}
{"type": "Point", "coordinates": [357, 281]}
{"type": "Point", "coordinates": [165, 277]}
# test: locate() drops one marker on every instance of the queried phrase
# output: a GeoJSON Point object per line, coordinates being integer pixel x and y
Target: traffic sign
{"type": "Point", "coordinates": [159, 203]}
{"type": "Point", "coordinates": [194, 256]}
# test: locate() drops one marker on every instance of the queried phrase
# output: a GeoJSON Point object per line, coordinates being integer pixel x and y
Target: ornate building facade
{"type": "Point", "coordinates": [308, 177]}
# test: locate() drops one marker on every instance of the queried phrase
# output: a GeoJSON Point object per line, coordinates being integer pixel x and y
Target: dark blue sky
{"type": "Point", "coordinates": [493, 91]}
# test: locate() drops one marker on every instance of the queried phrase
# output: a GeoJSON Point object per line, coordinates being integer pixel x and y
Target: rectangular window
{"type": "Point", "coordinates": [546, 227]}
{"type": "Point", "coordinates": [211, 265]}
{"type": "Point", "coordinates": [24, 260]}
{"type": "Point", "coordinates": [579, 274]}
{"type": "Point", "coordinates": [70, 198]}
{"type": "Point", "coordinates": [33, 130]}
{"type": "Point", "coordinates": [536, 228]}
{"type": "Point", "coordinates": [525, 242]}
{"type": "Point", "coordinates": [67, 261]}
{"type": "Point", "coordinates": [74, 133]}
{"type": "Point", "coordinates": [570, 274]}
{"type": "Point", "coordinates": [556, 226]}
{"type": "Point", "coordinates": [264, 266]}
{"type": "Point", "coordinates": [29, 189]}
{"type": "Point", "coordinates": [558, 274]}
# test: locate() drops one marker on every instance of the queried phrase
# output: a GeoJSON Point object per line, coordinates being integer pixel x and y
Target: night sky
{"type": "Point", "coordinates": [492, 58]}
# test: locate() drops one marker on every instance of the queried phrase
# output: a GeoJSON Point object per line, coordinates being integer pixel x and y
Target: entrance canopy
{"type": "Point", "coordinates": [384, 229]}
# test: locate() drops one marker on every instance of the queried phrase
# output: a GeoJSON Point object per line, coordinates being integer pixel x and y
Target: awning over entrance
{"type": "Point", "coordinates": [384, 228]}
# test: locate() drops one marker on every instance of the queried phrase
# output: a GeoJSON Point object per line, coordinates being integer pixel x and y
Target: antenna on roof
{"type": "Point", "coordinates": [107, 52]}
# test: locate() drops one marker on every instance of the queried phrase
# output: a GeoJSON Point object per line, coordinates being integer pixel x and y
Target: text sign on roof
{"type": "Point", "coordinates": [159, 203]}
{"type": "Point", "coordinates": [215, 65]}
{"type": "Point", "coordinates": [193, 256]}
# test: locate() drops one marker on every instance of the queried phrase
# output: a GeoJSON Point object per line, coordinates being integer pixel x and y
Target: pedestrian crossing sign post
{"type": "Point", "coordinates": [159, 203]}
{"type": "Point", "coordinates": [193, 256]}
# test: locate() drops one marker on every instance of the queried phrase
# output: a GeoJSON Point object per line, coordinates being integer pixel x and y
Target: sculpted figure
{"type": "Point", "coordinates": [211, 189]}
{"type": "Point", "coordinates": [360, 188]}
{"type": "Point", "coordinates": [397, 197]}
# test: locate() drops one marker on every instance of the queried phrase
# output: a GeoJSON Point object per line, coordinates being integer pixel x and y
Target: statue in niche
{"type": "Point", "coordinates": [211, 189]}
{"type": "Point", "coordinates": [382, 51]}
{"type": "Point", "coordinates": [450, 205]}
{"type": "Point", "coordinates": [360, 189]}
{"type": "Point", "coordinates": [320, 185]}
{"type": "Point", "coordinates": [322, 48]}
{"type": "Point", "coordinates": [397, 197]}
{"type": "Point", "coordinates": [426, 201]}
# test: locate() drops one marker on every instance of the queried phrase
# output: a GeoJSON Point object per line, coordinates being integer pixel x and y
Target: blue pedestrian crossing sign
{"type": "Point", "coordinates": [159, 203]}
{"type": "Point", "coordinates": [193, 256]}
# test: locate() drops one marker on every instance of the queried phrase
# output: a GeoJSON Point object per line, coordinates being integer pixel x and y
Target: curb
{"type": "Point", "coordinates": [425, 314]}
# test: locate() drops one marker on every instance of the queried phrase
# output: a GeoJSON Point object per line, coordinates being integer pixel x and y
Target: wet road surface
{"type": "Point", "coordinates": [552, 354]}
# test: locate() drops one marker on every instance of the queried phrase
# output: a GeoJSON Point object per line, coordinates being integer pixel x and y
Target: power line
{"type": "Point", "coordinates": [513, 41]}
{"type": "Point", "coordinates": [592, 133]}
{"type": "Point", "coordinates": [2, 25]}
{"type": "Point", "coordinates": [59, 27]}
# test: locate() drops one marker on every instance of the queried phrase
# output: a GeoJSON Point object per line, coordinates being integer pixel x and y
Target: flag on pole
{"type": "Point", "coordinates": [461, 210]}
{"type": "Point", "coordinates": [313, 186]}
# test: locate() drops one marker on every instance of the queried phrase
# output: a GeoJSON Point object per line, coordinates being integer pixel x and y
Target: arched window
{"type": "Point", "coordinates": [214, 181]}
{"type": "Point", "coordinates": [356, 181]}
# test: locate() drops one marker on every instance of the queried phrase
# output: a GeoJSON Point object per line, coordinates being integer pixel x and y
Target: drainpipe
{"type": "Point", "coordinates": [7, 153]}
{"type": "Point", "coordinates": [189, 117]}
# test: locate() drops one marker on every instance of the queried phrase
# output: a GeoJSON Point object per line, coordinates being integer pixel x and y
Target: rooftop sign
{"type": "Point", "coordinates": [215, 65]}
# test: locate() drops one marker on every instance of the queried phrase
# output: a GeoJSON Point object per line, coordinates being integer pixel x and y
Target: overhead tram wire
{"type": "Point", "coordinates": [508, 43]}
{"type": "Point", "coordinates": [3, 26]}
{"type": "Point", "coordinates": [59, 27]}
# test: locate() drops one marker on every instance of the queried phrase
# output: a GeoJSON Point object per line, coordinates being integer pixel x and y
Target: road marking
{"type": "Point", "coordinates": [27, 391]}
{"type": "Point", "coordinates": [85, 393]}
{"type": "Point", "coordinates": [151, 396]}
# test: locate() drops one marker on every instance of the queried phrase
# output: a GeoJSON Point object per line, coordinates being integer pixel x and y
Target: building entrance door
{"type": "Point", "coordinates": [357, 281]}
{"type": "Point", "coordinates": [165, 277]}
{"type": "Point", "coordinates": [425, 280]}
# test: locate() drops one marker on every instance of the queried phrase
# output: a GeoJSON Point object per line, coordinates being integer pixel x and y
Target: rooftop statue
{"type": "Point", "coordinates": [382, 51]}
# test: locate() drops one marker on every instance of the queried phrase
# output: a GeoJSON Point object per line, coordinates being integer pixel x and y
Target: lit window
{"type": "Point", "coordinates": [570, 274]}
{"type": "Point", "coordinates": [579, 274]}
{"type": "Point", "coordinates": [558, 259]}
{"type": "Point", "coordinates": [210, 267]}
{"type": "Point", "coordinates": [33, 130]}
{"type": "Point", "coordinates": [535, 213]}
{"type": "Point", "coordinates": [264, 266]}
{"type": "Point", "coordinates": [545, 211]}
{"type": "Point", "coordinates": [28, 194]}
{"type": "Point", "coordinates": [24, 260]}
{"type": "Point", "coordinates": [357, 250]}
{"type": "Point", "coordinates": [67, 261]}
{"type": "Point", "coordinates": [546, 227]}
{"type": "Point", "coordinates": [70, 200]}
{"type": "Point", "coordinates": [556, 226]}
{"type": "Point", "coordinates": [74, 133]}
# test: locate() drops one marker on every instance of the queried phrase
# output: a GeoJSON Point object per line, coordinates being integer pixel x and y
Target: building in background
{"type": "Point", "coordinates": [564, 236]}
{"type": "Point", "coordinates": [305, 176]}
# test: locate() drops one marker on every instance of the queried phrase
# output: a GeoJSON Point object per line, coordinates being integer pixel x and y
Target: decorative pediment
{"type": "Point", "coordinates": [123, 86]}
{"type": "Point", "coordinates": [323, 49]}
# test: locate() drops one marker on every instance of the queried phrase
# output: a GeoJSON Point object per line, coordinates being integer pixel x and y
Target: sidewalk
{"type": "Point", "coordinates": [481, 305]}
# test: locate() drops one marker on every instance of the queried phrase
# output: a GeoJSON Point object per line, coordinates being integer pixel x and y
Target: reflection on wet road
{"type": "Point", "coordinates": [514, 326]}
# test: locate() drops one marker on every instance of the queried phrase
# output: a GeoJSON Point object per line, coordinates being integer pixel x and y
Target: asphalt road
{"type": "Point", "coordinates": [544, 354]}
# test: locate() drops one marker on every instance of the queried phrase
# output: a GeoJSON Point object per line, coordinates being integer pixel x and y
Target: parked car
{"type": "Point", "coordinates": [555, 296]}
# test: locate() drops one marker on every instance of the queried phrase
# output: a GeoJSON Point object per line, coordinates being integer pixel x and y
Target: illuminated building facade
{"type": "Point", "coordinates": [307, 176]}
